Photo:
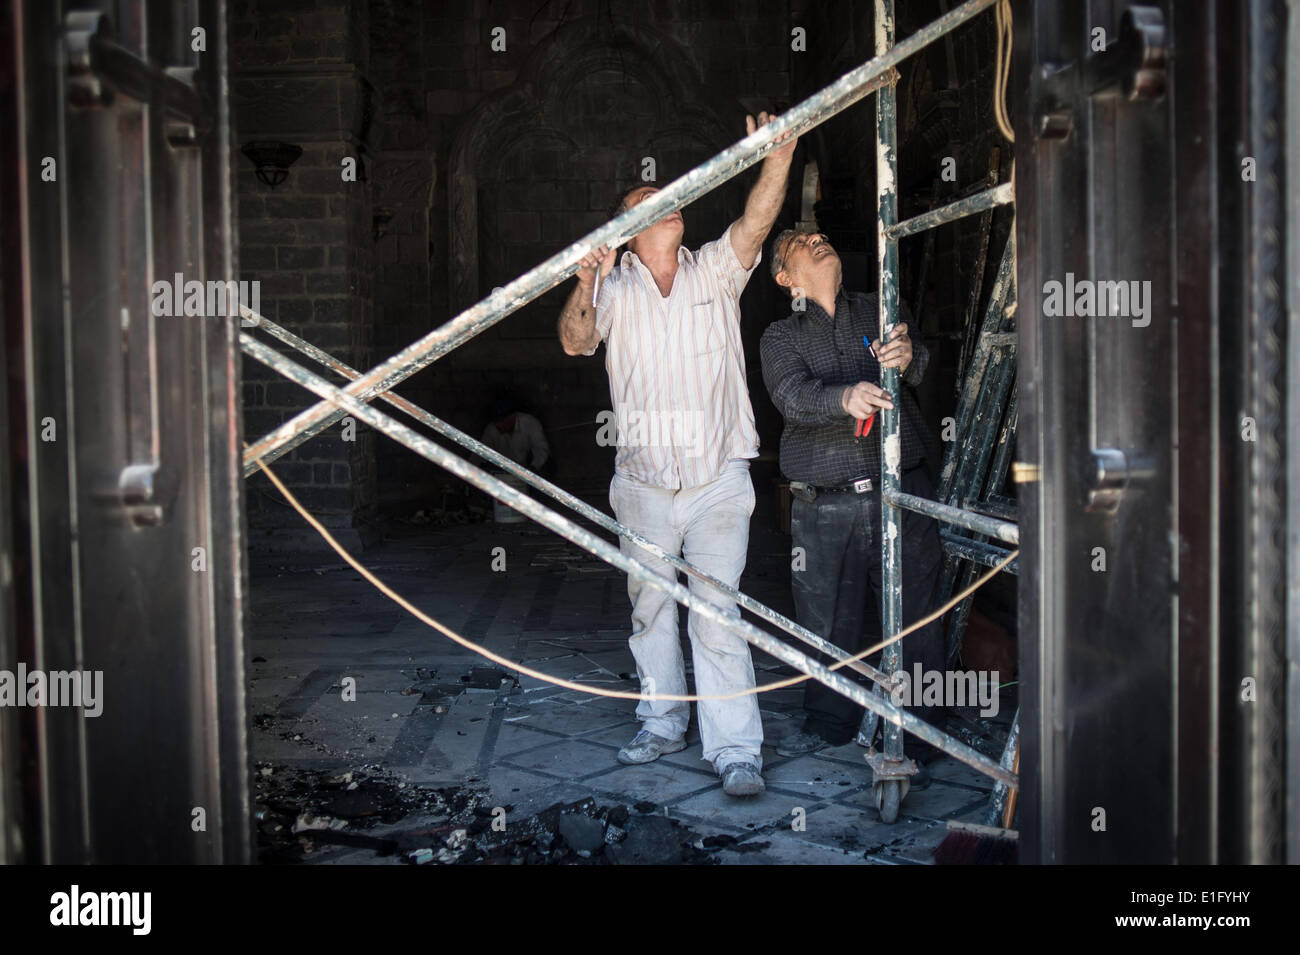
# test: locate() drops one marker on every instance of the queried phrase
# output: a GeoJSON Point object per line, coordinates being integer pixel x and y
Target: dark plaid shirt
{"type": "Point", "coordinates": [808, 361]}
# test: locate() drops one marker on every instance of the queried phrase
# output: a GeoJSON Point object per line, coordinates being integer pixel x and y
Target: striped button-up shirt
{"type": "Point", "coordinates": [677, 367]}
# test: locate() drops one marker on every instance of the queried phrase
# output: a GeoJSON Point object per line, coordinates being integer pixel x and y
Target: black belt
{"type": "Point", "coordinates": [810, 492]}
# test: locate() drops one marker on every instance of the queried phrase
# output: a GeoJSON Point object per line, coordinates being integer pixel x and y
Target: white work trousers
{"type": "Point", "coordinates": [708, 526]}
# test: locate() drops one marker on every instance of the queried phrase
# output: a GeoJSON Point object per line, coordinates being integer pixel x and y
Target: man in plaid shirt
{"type": "Point", "coordinates": [822, 378]}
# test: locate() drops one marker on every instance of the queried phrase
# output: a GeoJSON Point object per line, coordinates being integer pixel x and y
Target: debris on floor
{"type": "Point", "coordinates": [467, 727]}
{"type": "Point", "coordinates": [301, 813]}
{"type": "Point", "coordinates": [486, 678]}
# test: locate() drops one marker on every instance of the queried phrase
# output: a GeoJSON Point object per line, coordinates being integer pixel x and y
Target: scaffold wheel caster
{"type": "Point", "coordinates": [889, 795]}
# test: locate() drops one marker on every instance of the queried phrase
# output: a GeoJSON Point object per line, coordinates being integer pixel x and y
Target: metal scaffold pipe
{"type": "Point", "coordinates": [992, 526]}
{"type": "Point", "coordinates": [997, 196]}
{"type": "Point", "coordinates": [431, 451]}
{"type": "Point", "coordinates": [875, 74]}
{"type": "Point", "coordinates": [575, 504]}
{"type": "Point", "coordinates": [891, 523]}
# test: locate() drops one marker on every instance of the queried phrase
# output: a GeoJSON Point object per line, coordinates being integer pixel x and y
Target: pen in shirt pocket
{"type": "Point", "coordinates": [863, 427]}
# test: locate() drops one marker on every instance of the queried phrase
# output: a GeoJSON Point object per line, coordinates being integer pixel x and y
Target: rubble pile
{"type": "Point", "coordinates": [301, 813]}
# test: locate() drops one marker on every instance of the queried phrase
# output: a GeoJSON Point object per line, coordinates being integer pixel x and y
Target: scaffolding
{"type": "Point", "coordinates": [891, 770]}
{"type": "Point", "coordinates": [890, 767]}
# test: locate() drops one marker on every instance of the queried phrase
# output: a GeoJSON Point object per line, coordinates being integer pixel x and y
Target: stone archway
{"type": "Point", "coordinates": [553, 150]}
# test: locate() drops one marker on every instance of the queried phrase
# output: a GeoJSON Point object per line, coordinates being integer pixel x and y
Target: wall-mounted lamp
{"type": "Point", "coordinates": [272, 160]}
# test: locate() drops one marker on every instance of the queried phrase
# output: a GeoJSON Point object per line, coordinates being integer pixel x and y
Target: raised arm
{"type": "Point", "coordinates": [577, 326]}
{"type": "Point", "coordinates": [765, 199]}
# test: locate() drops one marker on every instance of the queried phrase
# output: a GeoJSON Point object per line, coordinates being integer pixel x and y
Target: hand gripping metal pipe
{"type": "Point", "coordinates": [575, 504]}
{"type": "Point", "coordinates": [610, 554]}
{"type": "Point", "coordinates": [816, 109]}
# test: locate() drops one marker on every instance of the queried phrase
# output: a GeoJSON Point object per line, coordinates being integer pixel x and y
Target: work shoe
{"type": "Point", "coordinates": [800, 744]}
{"type": "Point", "coordinates": [646, 747]}
{"type": "Point", "coordinates": [742, 779]}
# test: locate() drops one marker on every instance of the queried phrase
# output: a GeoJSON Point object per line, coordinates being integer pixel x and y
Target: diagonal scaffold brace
{"type": "Point", "coordinates": [575, 504]}
{"type": "Point", "coordinates": [878, 74]}
{"type": "Point", "coordinates": [855, 85]}
{"type": "Point", "coordinates": [552, 520]}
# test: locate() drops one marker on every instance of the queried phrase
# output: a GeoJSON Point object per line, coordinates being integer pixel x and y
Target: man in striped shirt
{"type": "Point", "coordinates": [670, 321]}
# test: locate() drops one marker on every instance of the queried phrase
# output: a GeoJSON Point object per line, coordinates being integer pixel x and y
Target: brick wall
{"type": "Point", "coordinates": [298, 79]}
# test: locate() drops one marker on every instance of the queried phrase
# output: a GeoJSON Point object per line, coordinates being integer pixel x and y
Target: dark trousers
{"type": "Point", "coordinates": [837, 595]}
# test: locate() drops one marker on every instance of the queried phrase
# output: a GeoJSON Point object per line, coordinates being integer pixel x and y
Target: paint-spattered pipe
{"type": "Point", "coordinates": [816, 109]}
{"type": "Point", "coordinates": [610, 554]}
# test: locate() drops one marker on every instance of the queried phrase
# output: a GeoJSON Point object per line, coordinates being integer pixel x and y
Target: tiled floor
{"type": "Point", "coordinates": [528, 745]}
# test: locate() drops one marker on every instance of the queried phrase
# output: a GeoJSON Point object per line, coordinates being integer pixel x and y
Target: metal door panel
{"type": "Point", "coordinates": [1134, 671]}
{"type": "Point", "coordinates": [149, 440]}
